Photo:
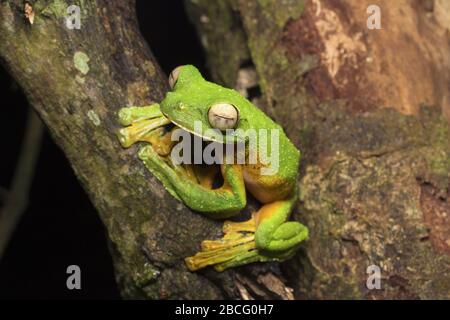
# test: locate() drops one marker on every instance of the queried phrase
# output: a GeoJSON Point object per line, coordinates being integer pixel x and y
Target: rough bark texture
{"type": "Point", "coordinates": [374, 186]}
{"type": "Point", "coordinates": [374, 182]}
{"type": "Point", "coordinates": [77, 80]}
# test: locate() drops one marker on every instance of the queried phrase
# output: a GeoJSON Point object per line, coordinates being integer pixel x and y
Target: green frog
{"type": "Point", "coordinates": [222, 117]}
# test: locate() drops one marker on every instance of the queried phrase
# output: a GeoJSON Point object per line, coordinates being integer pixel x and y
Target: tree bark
{"type": "Point", "coordinates": [374, 184]}
{"type": "Point", "coordinates": [77, 80]}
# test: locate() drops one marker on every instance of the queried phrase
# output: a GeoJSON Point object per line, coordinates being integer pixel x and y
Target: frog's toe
{"type": "Point", "coordinates": [230, 227]}
{"type": "Point", "coordinates": [140, 130]}
{"type": "Point", "coordinates": [237, 247]}
{"type": "Point", "coordinates": [129, 115]}
{"type": "Point", "coordinates": [222, 255]}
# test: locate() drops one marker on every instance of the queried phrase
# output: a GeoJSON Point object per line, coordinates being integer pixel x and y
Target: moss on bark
{"type": "Point", "coordinates": [77, 80]}
{"type": "Point", "coordinates": [374, 184]}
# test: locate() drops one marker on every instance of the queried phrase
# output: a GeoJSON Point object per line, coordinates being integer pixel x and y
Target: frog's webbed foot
{"type": "Point", "coordinates": [265, 237]}
{"type": "Point", "coordinates": [141, 124]}
{"type": "Point", "coordinates": [237, 247]}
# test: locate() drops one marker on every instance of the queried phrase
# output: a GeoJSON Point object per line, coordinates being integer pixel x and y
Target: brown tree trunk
{"type": "Point", "coordinates": [374, 181]}
{"type": "Point", "coordinates": [374, 185]}
{"type": "Point", "coordinates": [77, 80]}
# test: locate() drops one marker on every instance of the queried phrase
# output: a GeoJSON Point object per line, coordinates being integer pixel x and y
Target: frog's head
{"type": "Point", "coordinates": [205, 108]}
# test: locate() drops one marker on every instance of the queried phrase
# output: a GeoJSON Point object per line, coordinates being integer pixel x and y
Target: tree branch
{"type": "Point", "coordinates": [17, 197]}
{"type": "Point", "coordinates": [374, 182]}
{"type": "Point", "coordinates": [77, 80]}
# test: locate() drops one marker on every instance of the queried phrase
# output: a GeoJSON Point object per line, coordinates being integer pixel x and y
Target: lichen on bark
{"type": "Point", "coordinates": [77, 80]}
{"type": "Point", "coordinates": [77, 86]}
{"type": "Point", "coordinates": [362, 197]}
{"type": "Point", "coordinates": [374, 184]}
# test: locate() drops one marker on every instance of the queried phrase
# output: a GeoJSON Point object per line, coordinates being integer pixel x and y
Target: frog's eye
{"type": "Point", "coordinates": [223, 116]}
{"type": "Point", "coordinates": [173, 77]}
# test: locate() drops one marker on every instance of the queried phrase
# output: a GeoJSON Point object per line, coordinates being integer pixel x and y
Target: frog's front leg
{"type": "Point", "coordinates": [218, 203]}
{"type": "Point", "coordinates": [140, 123]}
{"type": "Point", "coordinates": [130, 115]}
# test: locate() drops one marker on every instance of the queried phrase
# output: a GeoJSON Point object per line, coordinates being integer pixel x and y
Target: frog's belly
{"type": "Point", "coordinates": [266, 188]}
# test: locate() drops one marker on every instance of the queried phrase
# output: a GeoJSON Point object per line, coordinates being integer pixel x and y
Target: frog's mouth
{"type": "Point", "coordinates": [206, 133]}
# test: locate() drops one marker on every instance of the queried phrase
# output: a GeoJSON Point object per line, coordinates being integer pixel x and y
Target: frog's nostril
{"type": "Point", "coordinates": [179, 106]}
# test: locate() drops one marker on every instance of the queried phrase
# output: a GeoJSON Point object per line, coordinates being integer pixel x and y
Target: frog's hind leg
{"type": "Point", "coordinates": [237, 247]}
{"type": "Point", "coordinates": [265, 237]}
{"type": "Point", "coordinates": [275, 236]}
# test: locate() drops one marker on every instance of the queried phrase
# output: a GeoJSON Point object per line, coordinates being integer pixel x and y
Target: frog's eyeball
{"type": "Point", "coordinates": [223, 116]}
{"type": "Point", "coordinates": [173, 77]}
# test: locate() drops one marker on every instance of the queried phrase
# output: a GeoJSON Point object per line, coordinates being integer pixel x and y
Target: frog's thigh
{"type": "Point", "coordinates": [273, 233]}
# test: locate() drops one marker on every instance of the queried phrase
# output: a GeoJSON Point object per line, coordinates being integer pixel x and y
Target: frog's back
{"type": "Point", "coordinates": [278, 180]}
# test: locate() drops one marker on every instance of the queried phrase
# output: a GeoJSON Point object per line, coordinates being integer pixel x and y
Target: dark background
{"type": "Point", "coordinates": [60, 227]}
